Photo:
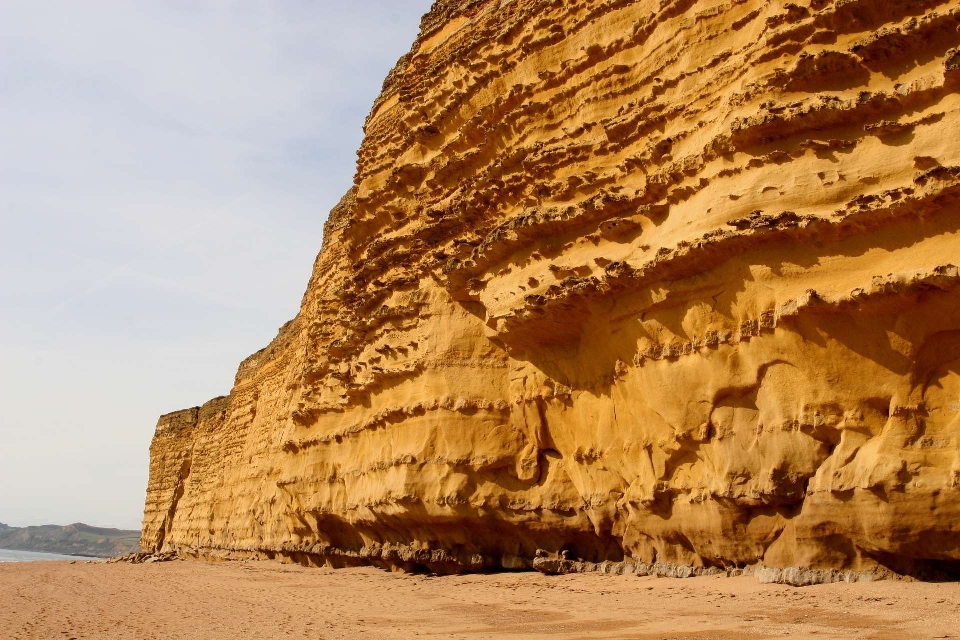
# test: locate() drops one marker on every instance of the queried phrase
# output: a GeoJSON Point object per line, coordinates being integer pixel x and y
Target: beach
{"type": "Point", "coordinates": [201, 601]}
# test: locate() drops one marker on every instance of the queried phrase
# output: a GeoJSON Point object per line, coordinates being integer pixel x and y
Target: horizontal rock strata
{"type": "Point", "coordinates": [655, 282]}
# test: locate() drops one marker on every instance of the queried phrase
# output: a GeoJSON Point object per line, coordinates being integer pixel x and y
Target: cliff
{"type": "Point", "coordinates": [76, 539]}
{"type": "Point", "coordinates": [661, 282]}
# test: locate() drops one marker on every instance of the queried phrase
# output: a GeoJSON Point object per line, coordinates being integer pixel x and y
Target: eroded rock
{"type": "Point", "coordinates": [671, 289]}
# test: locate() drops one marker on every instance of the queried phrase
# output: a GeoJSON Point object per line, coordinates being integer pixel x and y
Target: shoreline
{"type": "Point", "coordinates": [53, 557]}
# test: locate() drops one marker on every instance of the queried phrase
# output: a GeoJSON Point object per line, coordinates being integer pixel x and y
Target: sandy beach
{"type": "Point", "coordinates": [193, 600]}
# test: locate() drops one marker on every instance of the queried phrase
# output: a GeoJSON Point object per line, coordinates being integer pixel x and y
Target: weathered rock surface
{"type": "Point", "coordinates": [659, 282]}
{"type": "Point", "coordinates": [144, 558]}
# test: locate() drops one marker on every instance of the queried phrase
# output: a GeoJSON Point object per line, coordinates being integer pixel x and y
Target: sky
{"type": "Point", "coordinates": [166, 167]}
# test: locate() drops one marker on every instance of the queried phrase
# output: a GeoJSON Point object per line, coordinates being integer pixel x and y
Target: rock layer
{"type": "Point", "coordinates": [663, 282]}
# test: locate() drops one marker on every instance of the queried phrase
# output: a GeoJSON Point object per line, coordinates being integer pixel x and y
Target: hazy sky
{"type": "Point", "coordinates": [165, 171]}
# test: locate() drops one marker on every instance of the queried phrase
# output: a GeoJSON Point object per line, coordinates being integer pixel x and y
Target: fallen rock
{"type": "Point", "coordinates": [145, 558]}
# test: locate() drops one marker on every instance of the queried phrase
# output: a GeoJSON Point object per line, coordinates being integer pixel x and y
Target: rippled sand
{"type": "Point", "coordinates": [268, 600]}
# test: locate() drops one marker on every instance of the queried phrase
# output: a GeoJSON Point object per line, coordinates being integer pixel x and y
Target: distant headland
{"type": "Point", "coordinates": [76, 539]}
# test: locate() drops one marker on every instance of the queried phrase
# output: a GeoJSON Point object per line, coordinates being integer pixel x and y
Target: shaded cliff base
{"type": "Point", "coordinates": [405, 559]}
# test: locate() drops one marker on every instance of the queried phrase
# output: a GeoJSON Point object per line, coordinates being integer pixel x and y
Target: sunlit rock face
{"type": "Point", "coordinates": [656, 281]}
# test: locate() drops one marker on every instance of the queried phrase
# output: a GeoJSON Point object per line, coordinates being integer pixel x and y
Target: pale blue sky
{"type": "Point", "coordinates": [166, 168]}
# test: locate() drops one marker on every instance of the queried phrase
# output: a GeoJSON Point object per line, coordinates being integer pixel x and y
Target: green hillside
{"type": "Point", "coordinates": [73, 539]}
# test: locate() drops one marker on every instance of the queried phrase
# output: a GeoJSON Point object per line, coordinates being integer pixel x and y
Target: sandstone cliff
{"type": "Point", "coordinates": [663, 281]}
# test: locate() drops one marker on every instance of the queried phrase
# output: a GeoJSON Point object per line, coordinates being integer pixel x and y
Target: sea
{"type": "Point", "coordinates": [9, 555]}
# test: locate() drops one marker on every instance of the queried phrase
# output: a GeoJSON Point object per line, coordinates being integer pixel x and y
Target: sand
{"type": "Point", "coordinates": [268, 600]}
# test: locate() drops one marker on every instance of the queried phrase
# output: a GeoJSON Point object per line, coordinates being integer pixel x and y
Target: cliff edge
{"type": "Point", "coordinates": [662, 283]}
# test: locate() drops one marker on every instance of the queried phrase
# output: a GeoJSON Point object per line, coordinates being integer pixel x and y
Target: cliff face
{"type": "Point", "coordinates": [658, 280]}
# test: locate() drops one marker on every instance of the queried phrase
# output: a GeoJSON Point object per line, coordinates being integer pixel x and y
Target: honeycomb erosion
{"type": "Point", "coordinates": [647, 284]}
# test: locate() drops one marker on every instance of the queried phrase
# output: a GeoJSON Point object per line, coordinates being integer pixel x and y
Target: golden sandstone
{"type": "Point", "coordinates": [646, 286]}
